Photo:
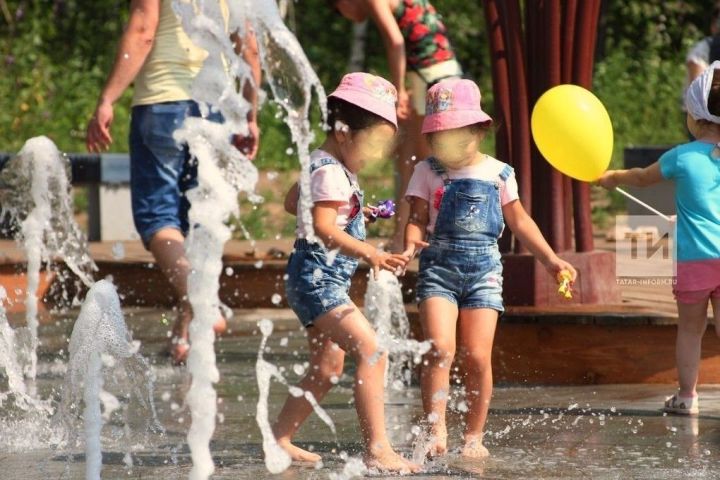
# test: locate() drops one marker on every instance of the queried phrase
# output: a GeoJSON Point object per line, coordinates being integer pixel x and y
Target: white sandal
{"type": "Point", "coordinates": [681, 405]}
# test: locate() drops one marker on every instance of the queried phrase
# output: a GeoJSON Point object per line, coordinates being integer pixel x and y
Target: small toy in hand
{"type": "Point", "coordinates": [384, 209]}
{"type": "Point", "coordinates": [564, 288]}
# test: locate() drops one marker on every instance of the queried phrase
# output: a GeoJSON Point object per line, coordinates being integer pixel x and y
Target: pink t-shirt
{"type": "Point", "coordinates": [424, 182]}
{"type": "Point", "coordinates": [331, 183]}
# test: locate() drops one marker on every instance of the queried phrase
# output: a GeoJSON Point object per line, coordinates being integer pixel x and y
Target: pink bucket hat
{"type": "Point", "coordinates": [453, 103]}
{"type": "Point", "coordinates": [370, 92]}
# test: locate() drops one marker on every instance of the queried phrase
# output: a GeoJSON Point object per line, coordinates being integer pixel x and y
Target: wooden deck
{"type": "Point", "coordinates": [637, 299]}
{"type": "Point", "coordinates": [631, 342]}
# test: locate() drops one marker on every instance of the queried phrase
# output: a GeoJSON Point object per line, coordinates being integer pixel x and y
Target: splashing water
{"type": "Point", "coordinates": [354, 468]}
{"type": "Point", "coordinates": [37, 195]}
{"type": "Point", "coordinates": [224, 172]}
{"type": "Point", "coordinates": [9, 361]}
{"type": "Point", "coordinates": [100, 342]}
{"type": "Point", "coordinates": [385, 309]}
{"type": "Point", "coordinates": [292, 80]}
{"type": "Point", "coordinates": [276, 458]}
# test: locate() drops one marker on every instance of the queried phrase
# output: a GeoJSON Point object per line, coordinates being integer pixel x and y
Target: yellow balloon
{"type": "Point", "coordinates": [573, 132]}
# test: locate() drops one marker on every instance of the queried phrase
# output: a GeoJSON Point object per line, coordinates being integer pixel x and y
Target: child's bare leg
{"type": "Point", "coordinates": [692, 323]}
{"type": "Point", "coordinates": [438, 317]}
{"type": "Point", "coordinates": [168, 247]}
{"type": "Point", "coordinates": [326, 364]}
{"type": "Point", "coordinates": [716, 314]}
{"type": "Point", "coordinates": [477, 331]}
{"type": "Point", "coordinates": [411, 150]}
{"type": "Point", "coordinates": [348, 327]}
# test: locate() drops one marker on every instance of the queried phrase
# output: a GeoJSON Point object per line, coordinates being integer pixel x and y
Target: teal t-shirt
{"type": "Point", "coordinates": [697, 198]}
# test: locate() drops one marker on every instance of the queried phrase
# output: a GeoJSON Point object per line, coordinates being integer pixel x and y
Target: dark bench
{"type": "Point", "coordinates": [106, 178]}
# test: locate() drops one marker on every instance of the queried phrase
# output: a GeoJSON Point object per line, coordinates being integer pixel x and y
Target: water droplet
{"type": "Point", "coordinates": [276, 299]}
{"type": "Point", "coordinates": [118, 251]}
{"type": "Point", "coordinates": [229, 271]}
{"type": "Point", "coordinates": [266, 327]}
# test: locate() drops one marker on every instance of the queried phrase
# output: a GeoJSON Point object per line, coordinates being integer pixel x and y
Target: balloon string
{"type": "Point", "coordinates": [642, 204]}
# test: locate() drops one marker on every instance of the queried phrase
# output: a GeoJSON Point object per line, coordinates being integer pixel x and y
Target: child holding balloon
{"type": "Point", "coordinates": [460, 201]}
{"type": "Point", "coordinates": [695, 169]}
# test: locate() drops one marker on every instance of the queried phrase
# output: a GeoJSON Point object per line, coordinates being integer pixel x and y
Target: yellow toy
{"type": "Point", "coordinates": [564, 288]}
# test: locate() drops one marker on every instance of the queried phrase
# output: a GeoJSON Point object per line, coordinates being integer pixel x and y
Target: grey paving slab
{"type": "Point", "coordinates": [605, 432]}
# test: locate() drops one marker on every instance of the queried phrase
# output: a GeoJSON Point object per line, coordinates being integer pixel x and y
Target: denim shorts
{"type": "Point", "coordinates": [469, 278]}
{"type": "Point", "coordinates": [313, 288]}
{"type": "Point", "coordinates": [161, 171]}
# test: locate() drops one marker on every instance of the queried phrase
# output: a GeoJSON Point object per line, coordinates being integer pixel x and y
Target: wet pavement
{"type": "Point", "coordinates": [609, 431]}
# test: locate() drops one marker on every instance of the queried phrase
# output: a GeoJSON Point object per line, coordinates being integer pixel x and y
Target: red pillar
{"type": "Point", "coordinates": [584, 58]}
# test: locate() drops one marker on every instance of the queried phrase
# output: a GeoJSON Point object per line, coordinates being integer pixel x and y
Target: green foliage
{"type": "Point", "coordinates": [53, 66]}
{"type": "Point", "coordinates": [643, 97]}
{"type": "Point", "coordinates": [640, 70]}
{"type": "Point", "coordinates": [55, 55]}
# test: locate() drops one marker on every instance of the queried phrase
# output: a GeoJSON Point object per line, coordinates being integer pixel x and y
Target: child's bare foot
{"type": "Point", "coordinates": [437, 442]}
{"type": "Point", "coordinates": [179, 345]}
{"type": "Point", "coordinates": [385, 459]}
{"type": "Point", "coordinates": [474, 448]}
{"type": "Point", "coordinates": [298, 454]}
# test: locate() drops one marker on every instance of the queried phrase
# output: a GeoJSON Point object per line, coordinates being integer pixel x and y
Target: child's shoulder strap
{"type": "Point", "coordinates": [506, 172]}
{"type": "Point", "coordinates": [321, 162]}
{"type": "Point", "coordinates": [436, 166]}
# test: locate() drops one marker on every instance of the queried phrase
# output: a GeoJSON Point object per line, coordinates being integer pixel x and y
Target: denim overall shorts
{"type": "Point", "coordinates": [462, 263]}
{"type": "Point", "coordinates": [316, 283]}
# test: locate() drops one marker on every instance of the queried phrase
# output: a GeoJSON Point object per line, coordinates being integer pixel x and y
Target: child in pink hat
{"type": "Point", "coordinates": [361, 117]}
{"type": "Point", "coordinates": [460, 201]}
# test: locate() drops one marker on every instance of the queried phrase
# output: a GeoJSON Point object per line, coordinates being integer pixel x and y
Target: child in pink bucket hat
{"type": "Point", "coordinates": [453, 104]}
{"type": "Point", "coordinates": [369, 92]}
{"type": "Point", "coordinates": [460, 201]}
{"type": "Point", "coordinates": [361, 117]}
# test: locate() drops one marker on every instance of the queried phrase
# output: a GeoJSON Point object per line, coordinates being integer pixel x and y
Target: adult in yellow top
{"type": "Point", "coordinates": [156, 54]}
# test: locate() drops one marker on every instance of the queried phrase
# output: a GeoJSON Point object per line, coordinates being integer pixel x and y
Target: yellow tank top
{"type": "Point", "coordinates": [173, 62]}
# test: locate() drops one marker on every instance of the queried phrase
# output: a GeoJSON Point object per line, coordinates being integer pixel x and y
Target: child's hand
{"type": "Point", "coordinates": [413, 247]}
{"type": "Point", "coordinates": [403, 104]}
{"type": "Point", "coordinates": [609, 180]}
{"type": "Point", "coordinates": [411, 251]}
{"type": "Point", "coordinates": [557, 265]}
{"type": "Point", "coordinates": [564, 273]}
{"type": "Point", "coordinates": [368, 214]}
{"type": "Point", "coordinates": [393, 262]}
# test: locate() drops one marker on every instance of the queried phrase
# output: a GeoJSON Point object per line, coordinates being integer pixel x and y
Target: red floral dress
{"type": "Point", "coordinates": [426, 40]}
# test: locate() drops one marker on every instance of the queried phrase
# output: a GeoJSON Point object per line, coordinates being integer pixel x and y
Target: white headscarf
{"type": "Point", "coordinates": [696, 96]}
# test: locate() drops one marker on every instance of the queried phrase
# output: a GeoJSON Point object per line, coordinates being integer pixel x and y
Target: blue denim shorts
{"type": "Point", "coordinates": [470, 278]}
{"type": "Point", "coordinates": [313, 288]}
{"type": "Point", "coordinates": [161, 171]}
